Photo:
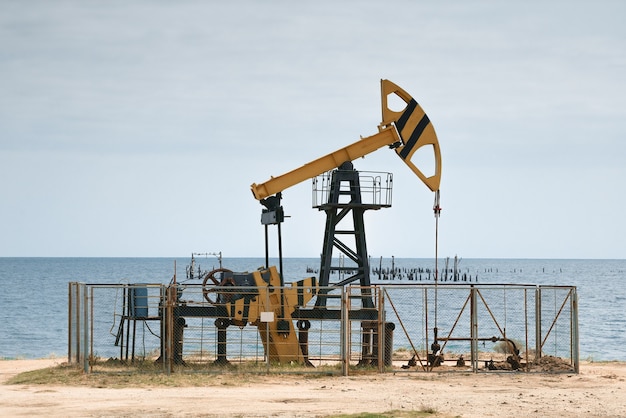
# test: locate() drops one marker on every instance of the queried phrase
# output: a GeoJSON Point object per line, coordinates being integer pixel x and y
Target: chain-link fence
{"type": "Point", "coordinates": [239, 325]}
{"type": "Point", "coordinates": [484, 327]}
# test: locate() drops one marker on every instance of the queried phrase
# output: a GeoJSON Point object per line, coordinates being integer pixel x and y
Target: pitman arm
{"type": "Point", "coordinates": [405, 131]}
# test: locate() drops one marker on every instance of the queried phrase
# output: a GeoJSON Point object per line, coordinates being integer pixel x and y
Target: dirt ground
{"type": "Point", "coordinates": [597, 391]}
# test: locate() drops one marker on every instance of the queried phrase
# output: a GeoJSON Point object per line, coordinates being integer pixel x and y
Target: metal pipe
{"type": "Point", "coordinates": [492, 339]}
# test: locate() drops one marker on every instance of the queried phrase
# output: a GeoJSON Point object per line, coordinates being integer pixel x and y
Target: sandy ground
{"type": "Point", "coordinates": [598, 391]}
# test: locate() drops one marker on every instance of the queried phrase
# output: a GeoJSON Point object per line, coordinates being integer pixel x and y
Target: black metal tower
{"type": "Point", "coordinates": [342, 197]}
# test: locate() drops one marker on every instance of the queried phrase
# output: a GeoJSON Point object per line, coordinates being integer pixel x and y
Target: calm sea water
{"type": "Point", "coordinates": [33, 292]}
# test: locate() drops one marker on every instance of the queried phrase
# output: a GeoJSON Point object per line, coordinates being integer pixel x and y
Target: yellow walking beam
{"type": "Point", "coordinates": [387, 136]}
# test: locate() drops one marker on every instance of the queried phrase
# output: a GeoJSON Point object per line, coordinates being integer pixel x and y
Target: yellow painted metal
{"type": "Point", "coordinates": [353, 151]}
{"type": "Point", "coordinates": [407, 130]}
{"type": "Point", "coordinates": [278, 336]}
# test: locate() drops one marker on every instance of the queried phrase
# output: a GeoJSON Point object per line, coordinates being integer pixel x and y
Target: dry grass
{"type": "Point", "coordinates": [118, 375]}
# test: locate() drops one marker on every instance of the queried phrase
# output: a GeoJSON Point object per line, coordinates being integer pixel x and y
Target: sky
{"type": "Point", "coordinates": [136, 128]}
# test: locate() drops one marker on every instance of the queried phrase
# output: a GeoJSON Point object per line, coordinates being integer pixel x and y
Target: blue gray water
{"type": "Point", "coordinates": [33, 292]}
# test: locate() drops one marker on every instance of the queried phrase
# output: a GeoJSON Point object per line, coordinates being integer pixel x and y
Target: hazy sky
{"type": "Point", "coordinates": [136, 128]}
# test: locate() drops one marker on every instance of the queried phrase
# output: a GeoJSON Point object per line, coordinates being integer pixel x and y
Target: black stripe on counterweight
{"type": "Point", "coordinates": [415, 136]}
{"type": "Point", "coordinates": [246, 307]}
{"type": "Point", "coordinates": [404, 117]}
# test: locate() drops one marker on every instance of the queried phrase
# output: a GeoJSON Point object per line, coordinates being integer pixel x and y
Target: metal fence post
{"type": "Point", "coordinates": [474, 328]}
{"type": "Point", "coordinates": [92, 358]}
{"type": "Point", "coordinates": [345, 336]}
{"type": "Point", "coordinates": [574, 332]}
{"type": "Point", "coordinates": [538, 335]}
{"type": "Point", "coordinates": [69, 322]}
{"type": "Point", "coordinates": [381, 334]}
{"type": "Point", "coordinates": [77, 312]}
{"type": "Point", "coordinates": [426, 335]}
{"type": "Point", "coordinates": [526, 354]}
{"type": "Point", "coordinates": [169, 329]}
{"type": "Point", "coordinates": [85, 343]}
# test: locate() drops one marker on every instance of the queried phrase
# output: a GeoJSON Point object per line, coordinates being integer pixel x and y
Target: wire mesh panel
{"type": "Point", "coordinates": [557, 326]}
{"type": "Point", "coordinates": [324, 330]}
{"type": "Point", "coordinates": [458, 327]}
{"type": "Point", "coordinates": [254, 328]}
{"type": "Point", "coordinates": [125, 323]}
{"type": "Point", "coordinates": [503, 332]}
{"type": "Point", "coordinates": [363, 324]}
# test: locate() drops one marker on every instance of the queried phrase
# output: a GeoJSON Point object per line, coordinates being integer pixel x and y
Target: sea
{"type": "Point", "coordinates": [34, 291]}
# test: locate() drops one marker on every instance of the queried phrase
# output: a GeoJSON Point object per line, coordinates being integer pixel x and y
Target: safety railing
{"type": "Point", "coordinates": [375, 188]}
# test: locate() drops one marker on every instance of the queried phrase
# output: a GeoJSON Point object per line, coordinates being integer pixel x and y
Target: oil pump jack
{"type": "Point", "coordinates": [405, 131]}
